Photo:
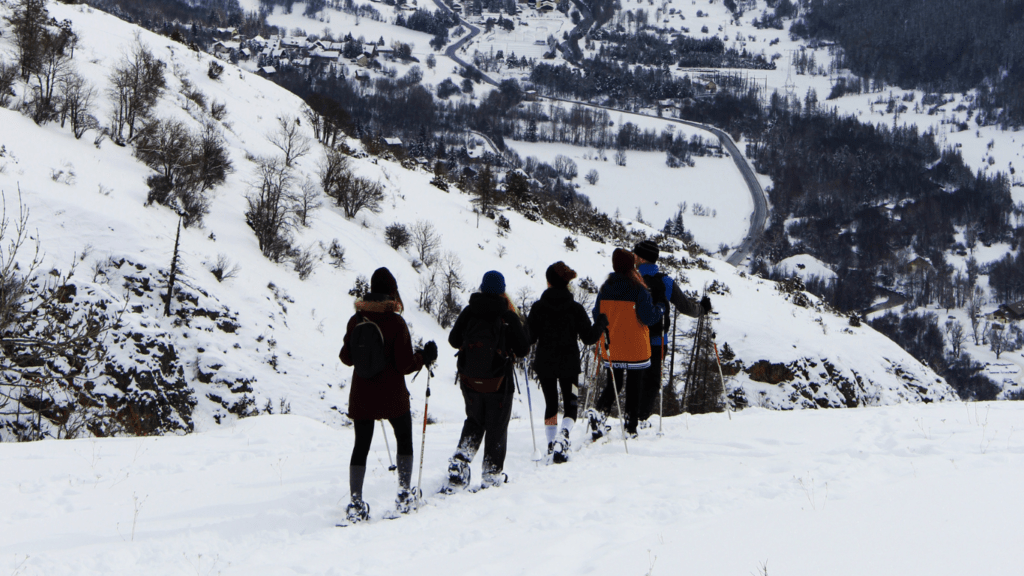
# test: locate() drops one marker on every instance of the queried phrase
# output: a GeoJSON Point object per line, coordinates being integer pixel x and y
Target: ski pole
{"type": "Point", "coordinates": [594, 380]}
{"type": "Point", "coordinates": [384, 431]}
{"type": "Point", "coordinates": [728, 409]}
{"type": "Point", "coordinates": [615, 387]}
{"type": "Point", "coordinates": [529, 404]}
{"type": "Point", "coordinates": [423, 437]}
{"type": "Point", "coordinates": [672, 360]}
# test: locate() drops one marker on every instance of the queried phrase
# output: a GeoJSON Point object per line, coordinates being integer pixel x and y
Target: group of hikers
{"type": "Point", "coordinates": [628, 322]}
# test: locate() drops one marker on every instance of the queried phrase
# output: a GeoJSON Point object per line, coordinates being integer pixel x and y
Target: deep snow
{"type": "Point", "coordinates": [925, 489]}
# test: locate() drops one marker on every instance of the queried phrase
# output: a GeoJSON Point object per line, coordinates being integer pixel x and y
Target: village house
{"type": "Point", "coordinates": [1010, 312]}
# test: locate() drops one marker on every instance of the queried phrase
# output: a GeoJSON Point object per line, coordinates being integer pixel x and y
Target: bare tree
{"type": "Point", "coordinates": [290, 139]}
{"type": "Point", "coordinates": [135, 86]}
{"type": "Point", "coordinates": [77, 97]}
{"type": "Point", "coordinates": [28, 21]}
{"type": "Point", "coordinates": [997, 341]}
{"type": "Point", "coordinates": [426, 241]}
{"type": "Point", "coordinates": [269, 212]}
{"type": "Point", "coordinates": [566, 167]}
{"type": "Point", "coordinates": [620, 157]}
{"type": "Point", "coordinates": [7, 75]}
{"type": "Point", "coordinates": [307, 202]}
{"type": "Point", "coordinates": [188, 165]}
{"type": "Point", "coordinates": [54, 63]}
{"type": "Point", "coordinates": [974, 303]}
{"type": "Point", "coordinates": [450, 285]}
{"type": "Point", "coordinates": [350, 192]}
{"type": "Point", "coordinates": [592, 177]}
{"type": "Point", "coordinates": [956, 335]}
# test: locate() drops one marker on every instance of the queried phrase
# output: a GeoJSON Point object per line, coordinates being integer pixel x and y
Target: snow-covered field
{"type": "Point", "coordinates": [647, 185]}
{"type": "Point", "coordinates": [926, 489]}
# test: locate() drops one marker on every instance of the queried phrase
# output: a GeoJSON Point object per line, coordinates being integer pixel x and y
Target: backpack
{"type": "Point", "coordinates": [367, 343]}
{"type": "Point", "coordinates": [482, 358]}
{"type": "Point", "coordinates": [659, 278]}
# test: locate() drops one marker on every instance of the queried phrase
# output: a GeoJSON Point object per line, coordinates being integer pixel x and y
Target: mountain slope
{"type": "Point", "coordinates": [283, 349]}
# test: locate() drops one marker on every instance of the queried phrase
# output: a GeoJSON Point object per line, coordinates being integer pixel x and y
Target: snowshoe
{"type": "Point", "coordinates": [406, 501]}
{"type": "Point", "coordinates": [357, 511]}
{"type": "Point", "coordinates": [560, 448]}
{"type": "Point", "coordinates": [458, 476]}
{"type": "Point", "coordinates": [597, 424]}
{"type": "Point", "coordinates": [493, 480]}
{"type": "Point", "coordinates": [644, 424]}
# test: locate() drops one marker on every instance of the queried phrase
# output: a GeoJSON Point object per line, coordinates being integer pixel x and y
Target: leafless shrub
{"type": "Point", "coordinates": [304, 261]}
{"type": "Point", "coordinates": [223, 269]}
{"type": "Point", "coordinates": [397, 236]}
{"type": "Point", "coordinates": [336, 252]}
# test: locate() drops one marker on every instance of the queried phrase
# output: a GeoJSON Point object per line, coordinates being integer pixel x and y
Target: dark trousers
{"type": "Point", "coordinates": [633, 381]}
{"type": "Point", "coordinates": [550, 386]}
{"type": "Point", "coordinates": [652, 384]}
{"type": "Point", "coordinates": [487, 416]}
{"type": "Point", "coordinates": [364, 436]}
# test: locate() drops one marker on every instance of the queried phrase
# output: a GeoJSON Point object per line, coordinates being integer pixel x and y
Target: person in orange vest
{"type": "Point", "coordinates": [626, 349]}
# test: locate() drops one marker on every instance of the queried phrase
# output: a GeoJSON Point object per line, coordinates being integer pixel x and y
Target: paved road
{"type": "Point", "coordinates": [760, 214]}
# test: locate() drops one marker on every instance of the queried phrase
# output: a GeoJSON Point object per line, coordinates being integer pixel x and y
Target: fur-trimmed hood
{"type": "Point", "coordinates": [379, 304]}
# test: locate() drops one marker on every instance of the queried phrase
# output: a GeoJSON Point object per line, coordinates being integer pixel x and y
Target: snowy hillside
{"type": "Point", "coordinates": [265, 339]}
{"type": "Point", "coordinates": [882, 491]}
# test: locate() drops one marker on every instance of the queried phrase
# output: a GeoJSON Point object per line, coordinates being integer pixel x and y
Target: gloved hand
{"type": "Point", "coordinates": [601, 323]}
{"type": "Point", "coordinates": [429, 353]}
{"type": "Point", "coordinates": [705, 305]}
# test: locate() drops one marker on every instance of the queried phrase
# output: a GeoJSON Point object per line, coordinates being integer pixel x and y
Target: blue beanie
{"type": "Point", "coordinates": [493, 283]}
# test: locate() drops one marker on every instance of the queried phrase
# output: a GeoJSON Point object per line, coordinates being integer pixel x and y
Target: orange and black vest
{"type": "Point", "coordinates": [630, 311]}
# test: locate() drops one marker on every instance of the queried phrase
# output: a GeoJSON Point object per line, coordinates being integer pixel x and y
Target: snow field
{"type": "Point", "coordinates": [647, 184]}
{"type": "Point", "coordinates": [876, 490]}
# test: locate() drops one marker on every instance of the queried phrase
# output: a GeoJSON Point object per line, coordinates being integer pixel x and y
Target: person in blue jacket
{"type": "Point", "coordinates": [664, 290]}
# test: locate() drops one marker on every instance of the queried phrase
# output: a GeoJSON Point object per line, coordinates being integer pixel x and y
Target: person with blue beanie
{"type": "Point", "coordinates": [489, 334]}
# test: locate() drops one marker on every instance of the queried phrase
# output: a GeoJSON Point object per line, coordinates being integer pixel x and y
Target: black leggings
{"type": "Point", "coordinates": [550, 386]}
{"type": "Point", "coordinates": [402, 426]}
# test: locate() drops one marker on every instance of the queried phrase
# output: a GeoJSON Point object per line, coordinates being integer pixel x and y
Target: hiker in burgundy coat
{"type": "Point", "coordinates": [384, 396]}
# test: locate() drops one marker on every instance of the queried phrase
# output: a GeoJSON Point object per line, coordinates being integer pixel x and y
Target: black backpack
{"type": "Point", "coordinates": [482, 358]}
{"type": "Point", "coordinates": [367, 342]}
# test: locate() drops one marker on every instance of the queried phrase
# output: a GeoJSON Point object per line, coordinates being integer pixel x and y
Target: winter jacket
{"type": "Point", "coordinates": [671, 293]}
{"type": "Point", "coordinates": [630, 311]}
{"type": "Point", "coordinates": [555, 322]}
{"type": "Point", "coordinates": [488, 307]}
{"type": "Point", "coordinates": [384, 395]}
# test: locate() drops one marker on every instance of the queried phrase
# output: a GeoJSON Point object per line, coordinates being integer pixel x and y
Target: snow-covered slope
{"type": "Point", "coordinates": [281, 339]}
{"type": "Point", "coordinates": [882, 491]}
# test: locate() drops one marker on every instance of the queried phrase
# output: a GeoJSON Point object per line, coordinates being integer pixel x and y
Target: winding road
{"type": "Point", "coordinates": [757, 219]}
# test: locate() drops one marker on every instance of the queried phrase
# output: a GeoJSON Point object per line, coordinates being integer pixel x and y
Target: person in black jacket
{"type": "Point", "coordinates": [663, 290]}
{"type": "Point", "coordinates": [488, 401]}
{"type": "Point", "coordinates": [555, 322]}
